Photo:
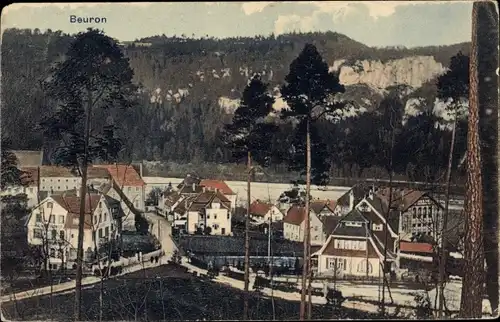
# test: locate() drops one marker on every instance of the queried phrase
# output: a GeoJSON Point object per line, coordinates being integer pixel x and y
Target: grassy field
{"type": "Point", "coordinates": [163, 293]}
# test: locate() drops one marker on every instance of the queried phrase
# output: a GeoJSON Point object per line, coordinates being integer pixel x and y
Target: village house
{"type": "Point", "coordinates": [419, 212]}
{"type": "Point", "coordinates": [127, 180]}
{"type": "Point", "coordinates": [222, 187]}
{"type": "Point", "coordinates": [352, 197]}
{"type": "Point", "coordinates": [262, 212]}
{"type": "Point", "coordinates": [294, 225]}
{"type": "Point", "coordinates": [54, 224]}
{"type": "Point", "coordinates": [353, 249]}
{"type": "Point", "coordinates": [208, 210]}
{"type": "Point", "coordinates": [54, 179]}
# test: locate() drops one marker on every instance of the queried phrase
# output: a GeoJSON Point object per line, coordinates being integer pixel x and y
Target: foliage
{"type": "Point", "coordinates": [454, 84]}
{"type": "Point", "coordinates": [249, 130]}
{"type": "Point", "coordinates": [424, 307]}
{"type": "Point", "coordinates": [11, 175]}
{"type": "Point", "coordinates": [95, 78]}
{"type": "Point", "coordinates": [154, 196]}
{"type": "Point", "coordinates": [309, 92]}
{"type": "Point", "coordinates": [335, 299]}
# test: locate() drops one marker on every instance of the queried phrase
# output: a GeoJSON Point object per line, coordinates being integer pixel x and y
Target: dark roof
{"type": "Point", "coordinates": [380, 205]}
{"type": "Point", "coordinates": [359, 190]}
{"type": "Point", "coordinates": [329, 224]}
{"type": "Point", "coordinates": [234, 245]}
{"type": "Point", "coordinates": [188, 189]}
{"type": "Point", "coordinates": [189, 180]}
{"type": "Point", "coordinates": [354, 216]}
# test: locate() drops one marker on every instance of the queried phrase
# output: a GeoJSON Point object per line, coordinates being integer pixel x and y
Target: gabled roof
{"type": "Point", "coordinates": [342, 229]}
{"type": "Point", "coordinates": [202, 200]}
{"type": "Point", "coordinates": [184, 205]}
{"type": "Point", "coordinates": [260, 208]}
{"type": "Point", "coordinates": [190, 189]}
{"type": "Point", "coordinates": [27, 158]}
{"type": "Point", "coordinates": [380, 207]}
{"type": "Point", "coordinates": [295, 215]}
{"type": "Point", "coordinates": [98, 173]}
{"type": "Point", "coordinates": [71, 204]}
{"type": "Point", "coordinates": [171, 199]}
{"type": "Point", "coordinates": [359, 190]}
{"type": "Point", "coordinates": [217, 184]}
{"type": "Point", "coordinates": [123, 174]}
{"type": "Point", "coordinates": [329, 224]}
{"type": "Point", "coordinates": [403, 199]}
{"type": "Point", "coordinates": [189, 180]}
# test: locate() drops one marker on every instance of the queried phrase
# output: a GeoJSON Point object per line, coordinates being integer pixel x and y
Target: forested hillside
{"type": "Point", "coordinates": [188, 88]}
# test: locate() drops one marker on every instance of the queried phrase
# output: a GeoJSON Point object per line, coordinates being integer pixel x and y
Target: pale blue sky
{"type": "Point", "coordinates": [412, 23]}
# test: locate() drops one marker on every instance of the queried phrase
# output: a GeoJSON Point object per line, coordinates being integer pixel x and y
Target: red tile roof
{"type": "Point", "coordinates": [403, 198]}
{"type": "Point", "coordinates": [217, 184]}
{"type": "Point", "coordinates": [71, 203]}
{"type": "Point", "coordinates": [295, 215]}
{"type": "Point", "coordinates": [123, 174]}
{"type": "Point", "coordinates": [407, 247]}
{"type": "Point", "coordinates": [259, 208]}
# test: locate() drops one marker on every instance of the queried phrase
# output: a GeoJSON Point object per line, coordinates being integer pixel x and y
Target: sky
{"type": "Point", "coordinates": [374, 23]}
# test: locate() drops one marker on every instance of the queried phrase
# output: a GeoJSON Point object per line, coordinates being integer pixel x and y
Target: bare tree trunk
{"type": "Point", "coordinates": [306, 256]}
{"type": "Point", "coordinates": [487, 43]}
{"type": "Point", "coordinates": [247, 238]}
{"type": "Point", "coordinates": [472, 286]}
{"type": "Point", "coordinates": [83, 192]}
{"type": "Point", "coordinates": [444, 227]}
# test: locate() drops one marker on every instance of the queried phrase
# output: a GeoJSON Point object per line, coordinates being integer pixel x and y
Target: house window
{"type": "Point", "coordinates": [52, 253]}
{"type": "Point", "coordinates": [208, 216]}
{"type": "Point", "coordinates": [315, 228]}
{"type": "Point", "coordinates": [106, 231]}
{"type": "Point", "coordinates": [49, 205]}
{"type": "Point", "coordinates": [363, 265]}
{"type": "Point", "coordinates": [93, 236]}
{"type": "Point", "coordinates": [227, 215]}
{"type": "Point", "coordinates": [38, 218]}
{"type": "Point", "coordinates": [58, 188]}
{"type": "Point", "coordinates": [54, 234]}
{"type": "Point", "coordinates": [100, 205]}
{"type": "Point", "coordinates": [105, 216]}
{"type": "Point", "coordinates": [37, 233]}
{"type": "Point", "coordinates": [52, 219]}
{"type": "Point", "coordinates": [353, 224]}
{"type": "Point", "coordinates": [129, 189]}
{"type": "Point", "coordinates": [136, 189]}
{"type": "Point", "coordinates": [61, 219]}
{"type": "Point", "coordinates": [100, 218]}
{"type": "Point", "coordinates": [215, 216]}
{"type": "Point", "coordinates": [425, 212]}
{"type": "Point", "coordinates": [223, 231]}
{"type": "Point", "coordinates": [61, 235]}
{"type": "Point", "coordinates": [100, 233]}
{"type": "Point", "coordinates": [339, 243]}
{"type": "Point", "coordinates": [376, 227]}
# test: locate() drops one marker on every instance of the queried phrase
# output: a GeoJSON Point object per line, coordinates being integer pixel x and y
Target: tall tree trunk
{"type": "Point", "coordinates": [247, 238]}
{"type": "Point", "coordinates": [487, 42]}
{"type": "Point", "coordinates": [81, 220]}
{"type": "Point", "coordinates": [444, 226]}
{"type": "Point", "coordinates": [306, 258]}
{"type": "Point", "coordinates": [472, 286]}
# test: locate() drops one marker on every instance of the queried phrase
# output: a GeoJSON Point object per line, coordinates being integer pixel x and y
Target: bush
{"type": "Point", "coordinates": [335, 299]}
{"type": "Point", "coordinates": [424, 308]}
{"type": "Point", "coordinates": [236, 275]}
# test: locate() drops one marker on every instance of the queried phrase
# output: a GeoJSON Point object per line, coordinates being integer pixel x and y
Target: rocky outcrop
{"type": "Point", "coordinates": [412, 71]}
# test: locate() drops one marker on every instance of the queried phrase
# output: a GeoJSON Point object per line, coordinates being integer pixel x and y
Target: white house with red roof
{"type": "Point", "coordinates": [128, 180]}
{"type": "Point", "coordinates": [294, 225]}
{"type": "Point", "coordinates": [262, 212]}
{"type": "Point", "coordinates": [222, 187]}
{"type": "Point", "coordinates": [54, 222]}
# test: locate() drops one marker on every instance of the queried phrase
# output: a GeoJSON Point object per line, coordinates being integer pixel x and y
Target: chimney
{"type": "Point", "coordinates": [204, 189]}
{"type": "Point", "coordinates": [370, 194]}
{"type": "Point", "coordinates": [185, 203]}
{"type": "Point", "coordinates": [351, 200]}
{"type": "Point", "coordinates": [140, 169]}
{"type": "Point", "coordinates": [194, 186]}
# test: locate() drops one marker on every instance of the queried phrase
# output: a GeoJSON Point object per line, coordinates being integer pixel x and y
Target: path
{"type": "Point", "coordinates": [71, 284]}
{"type": "Point", "coordinates": [161, 229]}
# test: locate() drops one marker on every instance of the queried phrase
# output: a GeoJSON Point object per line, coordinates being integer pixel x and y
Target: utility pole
{"type": "Point", "coordinates": [247, 238]}
{"type": "Point", "coordinates": [306, 223]}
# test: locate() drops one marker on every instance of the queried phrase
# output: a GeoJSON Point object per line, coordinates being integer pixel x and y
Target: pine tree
{"type": "Point", "coordinates": [309, 92]}
{"type": "Point", "coordinates": [92, 86]}
{"type": "Point", "coordinates": [249, 135]}
{"type": "Point", "coordinates": [11, 174]}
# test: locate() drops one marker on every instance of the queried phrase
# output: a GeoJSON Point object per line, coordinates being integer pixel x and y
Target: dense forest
{"type": "Point", "coordinates": [178, 117]}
